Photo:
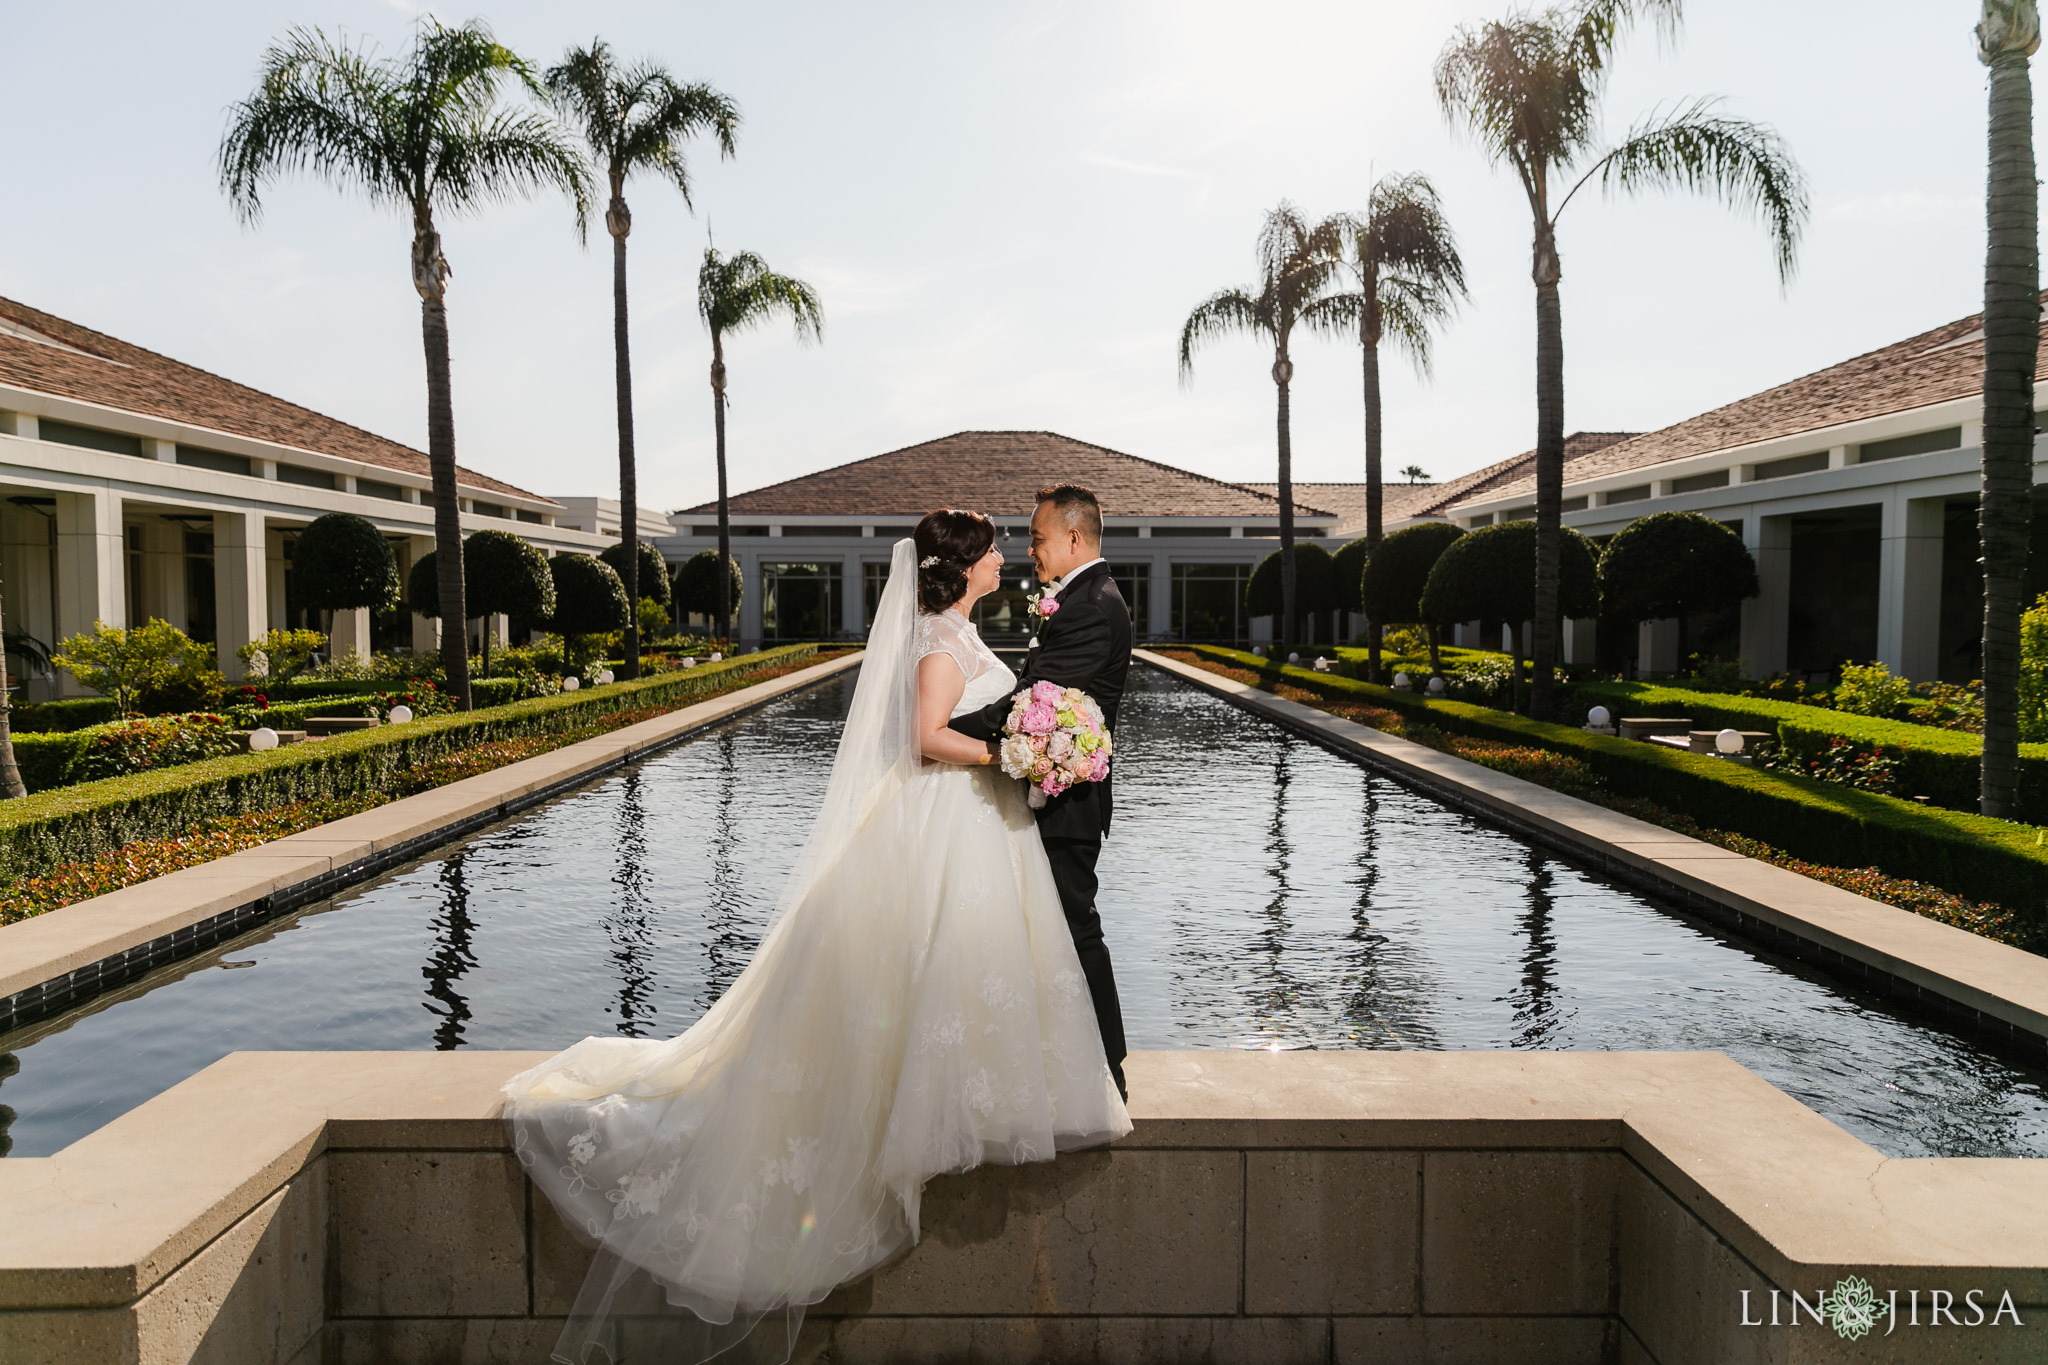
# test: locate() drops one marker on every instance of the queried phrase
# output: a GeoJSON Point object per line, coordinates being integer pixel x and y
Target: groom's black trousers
{"type": "Point", "coordinates": [1073, 872]}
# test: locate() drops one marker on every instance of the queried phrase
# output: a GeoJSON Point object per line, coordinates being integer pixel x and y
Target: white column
{"type": "Point", "coordinates": [426, 633]}
{"type": "Point", "coordinates": [852, 593]}
{"type": "Point", "coordinates": [747, 630]}
{"type": "Point", "coordinates": [1159, 611]}
{"type": "Point", "coordinates": [350, 633]}
{"type": "Point", "coordinates": [1909, 587]}
{"type": "Point", "coordinates": [500, 626]}
{"type": "Point", "coordinates": [1579, 640]}
{"type": "Point", "coordinates": [1766, 617]}
{"type": "Point", "coordinates": [241, 595]}
{"type": "Point", "coordinates": [89, 551]}
{"type": "Point", "coordinates": [1657, 647]}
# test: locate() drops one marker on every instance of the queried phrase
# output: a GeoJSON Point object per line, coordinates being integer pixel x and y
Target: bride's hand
{"type": "Point", "coordinates": [940, 685]}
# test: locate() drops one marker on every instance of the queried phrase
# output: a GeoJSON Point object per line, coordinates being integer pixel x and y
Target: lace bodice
{"type": "Point", "coordinates": [950, 633]}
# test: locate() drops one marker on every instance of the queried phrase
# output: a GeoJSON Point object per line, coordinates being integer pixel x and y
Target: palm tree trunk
{"type": "Point", "coordinates": [10, 772]}
{"type": "Point", "coordinates": [1371, 349]}
{"type": "Point", "coordinates": [2012, 320]}
{"type": "Point", "coordinates": [447, 510]}
{"type": "Point", "coordinates": [629, 482]}
{"type": "Point", "coordinates": [724, 517]}
{"type": "Point", "coordinates": [1283, 372]}
{"type": "Point", "coordinates": [1549, 464]}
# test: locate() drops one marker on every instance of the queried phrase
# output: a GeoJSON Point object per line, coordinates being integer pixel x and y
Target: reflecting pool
{"type": "Point", "coordinates": [1258, 892]}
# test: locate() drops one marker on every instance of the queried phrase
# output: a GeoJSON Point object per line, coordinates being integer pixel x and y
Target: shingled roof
{"type": "Point", "coordinates": [1933, 367]}
{"type": "Point", "coordinates": [999, 472]}
{"type": "Point", "coordinates": [1403, 501]}
{"type": "Point", "coordinates": [46, 354]}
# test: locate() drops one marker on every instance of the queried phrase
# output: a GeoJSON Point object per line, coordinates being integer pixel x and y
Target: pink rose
{"type": "Point", "coordinates": [1062, 746]}
{"type": "Point", "coordinates": [1037, 743]}
{"type": "Point", "coordinates": [1048, 605]}
{"type": "Point", "coordinates": [1039, 719]}
{"type": "Point", "coordinates": [1049, 693]}
{"type": "Point", "coordinates": [1053, 784]}
{"type": "Point", "coordinates": [1042, 768]}
{"type": "Point", "coordinates": [1100, 769]}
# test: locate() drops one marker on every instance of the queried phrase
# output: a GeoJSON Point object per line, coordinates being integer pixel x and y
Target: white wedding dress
{"type": "Point", "coordinates": [916, 1008]}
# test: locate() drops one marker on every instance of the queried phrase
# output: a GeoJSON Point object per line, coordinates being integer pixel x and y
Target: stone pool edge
{"type": "Point", "coordinates": [62, 957]}
{"type": "Point", "coordinates": [1516, 1207]}
{"type": "Point", "coordinates": [1990, 989]}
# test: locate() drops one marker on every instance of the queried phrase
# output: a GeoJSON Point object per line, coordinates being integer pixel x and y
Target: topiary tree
{"type": "Point", "coordinates": [1674, 565]}
{"type": "Point", "coordinates": [653, 569]}
{"type": "Point", "coordinates": [1391, 586]}
{"type": "Point", "coordinates": [1347, 568]}
{"type": "Point", "coordinates": [423, 588]}
{"type": "Point", "coordinates": [589, 600]}
{"type": "Point", "coordinates": [342, 563]}
{"type": "Point", "coordinates": [1490, 575]}
{"type": "Point", "coordinates": [696, 585]}
{"type": "Point", "coordinates": [506, 574]}
{"type": "Point", "coordinates": [1315, 580]}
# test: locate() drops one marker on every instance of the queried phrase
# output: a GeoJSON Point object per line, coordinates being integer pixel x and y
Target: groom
{"type": "Point", "coordinates": [1084, 642]}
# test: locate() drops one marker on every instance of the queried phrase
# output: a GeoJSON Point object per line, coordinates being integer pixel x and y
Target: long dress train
{"type": "Point", "coordinates": [916, 1008]}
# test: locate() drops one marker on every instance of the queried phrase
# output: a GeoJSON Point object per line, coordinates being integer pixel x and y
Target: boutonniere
{"type": "Point", "coordinates": [1042, 604]}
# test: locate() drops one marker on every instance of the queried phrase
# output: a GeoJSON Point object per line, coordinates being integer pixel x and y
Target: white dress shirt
{"type": "Point", "coordinates": [1054, 589]}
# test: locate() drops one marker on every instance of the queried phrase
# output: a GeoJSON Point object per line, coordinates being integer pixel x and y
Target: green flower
{"type": "Point", "coordinates": [1853, 1308]}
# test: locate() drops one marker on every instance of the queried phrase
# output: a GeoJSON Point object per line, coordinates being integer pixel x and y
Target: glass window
{"type": "Point", "coordinates": [90, 438]}
{"type": "Point", "coordinates": [304, 477]}
{"type": "Point", "coordinates": [1134, 581]}
{"type": "Point", "coordinates": [873, 578]}
{"type": "Point", "coordinates": [217, 460]}
{"type": "Point", "coordinates": [200, 621]}
{"type": "Point", "coordinates": [1001, 616]}
{"type": "Point", "coordinates": [800, 601]}
{"type": "Point", "coordinates": [1208, 603]}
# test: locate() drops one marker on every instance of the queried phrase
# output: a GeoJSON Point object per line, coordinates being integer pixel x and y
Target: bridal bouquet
{"type": "Point", "coordinates": [1055, 737]}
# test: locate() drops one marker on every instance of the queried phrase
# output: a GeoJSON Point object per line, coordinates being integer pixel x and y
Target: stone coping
{"type": "Point", "coordinates": [2001, 989]}
{"type": "Point", "coordinates": [160, 919]}
{"type": "Point", "coordinates": [101, 1222]}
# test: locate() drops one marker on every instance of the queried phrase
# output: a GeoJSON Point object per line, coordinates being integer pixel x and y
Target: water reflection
{"type": "Point", "coordinates": [1256, 889]}
{"type": "Point", "coordinates": [453, 956]}
{"type": "Point", "coordinates": [629, 923]}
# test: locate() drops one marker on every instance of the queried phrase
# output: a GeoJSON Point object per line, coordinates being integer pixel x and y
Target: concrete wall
{"type": "Point", "coordinates": [294, 1209]}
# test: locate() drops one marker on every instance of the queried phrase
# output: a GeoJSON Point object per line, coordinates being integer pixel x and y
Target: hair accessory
{"type": "Point", "coordinates": [927, 561]}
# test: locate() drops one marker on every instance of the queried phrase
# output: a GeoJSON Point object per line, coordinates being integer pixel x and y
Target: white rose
{"type": "Point", "coordinates": [1017, 755]}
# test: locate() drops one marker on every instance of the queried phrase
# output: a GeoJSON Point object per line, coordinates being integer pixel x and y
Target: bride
{"type": "Point", "coordinates": [916, 1008]}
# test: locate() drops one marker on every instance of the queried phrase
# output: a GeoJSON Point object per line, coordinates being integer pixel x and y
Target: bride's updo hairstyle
{"type": "Point", "coordinates": [948, 542]}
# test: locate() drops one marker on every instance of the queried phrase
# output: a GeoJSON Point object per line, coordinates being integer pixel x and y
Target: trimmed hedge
{"type": "Point", "coordinates": [1821, 822]}
{"type": "Point", "coordinates": [1940, 765]}
{"type": "Point", "coordinates": [51, 717]}
{"type": "Point", "coordinates": [88, 820]}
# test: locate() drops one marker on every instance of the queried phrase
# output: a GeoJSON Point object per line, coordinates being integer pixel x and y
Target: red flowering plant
{"type": "Point", "coordinates": [422, 695]}
{"type": "Point", "coordinates": [133, 746]}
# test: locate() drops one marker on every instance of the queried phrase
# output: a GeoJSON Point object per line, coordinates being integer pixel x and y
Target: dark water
{"type": "Point", "coordinates": [1258, 892]}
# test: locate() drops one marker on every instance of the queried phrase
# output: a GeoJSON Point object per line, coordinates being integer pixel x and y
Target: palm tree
{"type": "Point", "coordinates": [10, 772]}
{"type": "Point", "coordinates": [1403, 262]}
{"type": "Point", "coordinates": [634, 119]}
{"type": "Point", "coordinates": [734, 293]}
{"type": "Point", "coordinates": [1528, 90]}
{"type": "Point", "coordinates": [424, 133]}
{"type": "Point", "coordinates": [1414, 473]}
{"type": "Point", "coordinates": [2010, 33]}
{"type": "Point", "coordinates": [1297, 264]}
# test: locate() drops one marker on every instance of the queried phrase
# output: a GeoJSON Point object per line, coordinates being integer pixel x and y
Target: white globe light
{"type": "Point", "coordinates": [1294, 658]}
{"type": "Point", "coordinates": [571, 683]}
{"type": "Point", "coordinates": [400, 714]}
{"type": "Point", "coordinates": [605, 676]}
{"type": "Point", "coordinates": [1729, 741]}
{"type": "Point", "coordinates": [1436, 687]}
{"type": "Point", "coordinates": [1259, 650]}
{"type": "Point", "coordinates": [260, 740]}
{"type": "Point", "coordinates": [689, 661]}
{"type": "Point", "coordinates": [1599, 718]}
{"type": "Point", "coordinates": [1400, 680]}
{"type": "Point", "coordinates": [716, 656]}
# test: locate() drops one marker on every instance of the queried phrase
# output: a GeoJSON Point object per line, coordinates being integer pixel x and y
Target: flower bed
{"type": "Point", "coordinates": [89, 821]}
{"type": "Point", "coordinates": [1996, 866]}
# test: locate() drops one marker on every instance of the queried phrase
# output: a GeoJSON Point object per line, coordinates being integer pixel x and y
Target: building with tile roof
{"type": "Point", "coordinates": [1855, 487]}
{"type": "Point", "coordinates": [814, 551]}
{"type": "Point", "coordinates": [133, 486]}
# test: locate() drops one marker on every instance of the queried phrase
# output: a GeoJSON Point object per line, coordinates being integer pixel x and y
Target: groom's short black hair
{"type": "Point", "coordinates": [1080, 507]}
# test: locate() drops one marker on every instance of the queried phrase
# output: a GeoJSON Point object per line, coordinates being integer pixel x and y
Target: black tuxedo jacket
{"type": "Point", "coordinates": [1085, 644]}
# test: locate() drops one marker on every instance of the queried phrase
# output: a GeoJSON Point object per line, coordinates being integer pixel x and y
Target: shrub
{"type": "Point", "coordinates": [1871, 690]}
{"type": "Point", "coordinates": [124, 664]}
{"type": "Point", "coordinates": [696, 585]}
{"type": "Point", "coordinates": [1315, 583]}
{"type": "Point", "coordinates": [653, 570]}
{"type": "Point", "coordinates": [653, 619]}
{"type": "Point", "coordinates": [133, 746]}
{"type": "Point", "coordinates": [504, 574]}
{"type": "Point", "coordinates": [1347, 573]}
{"type": "Point", "coordinates": [342, 562]}
{"type": "Point", "coordinates": [280, 655]}
{"type": "Point", "coordinates": [1673, 566]}
{"type": "Point", "coordinates": [1391, 588]}
{"type": "Point", "coordinates": [51, 717]}
{"type": "Point", "coordinates": [2034, 672]}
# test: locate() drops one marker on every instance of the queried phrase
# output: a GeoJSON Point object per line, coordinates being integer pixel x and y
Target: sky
{"type": "Point", "coordinates": [1008, 212]}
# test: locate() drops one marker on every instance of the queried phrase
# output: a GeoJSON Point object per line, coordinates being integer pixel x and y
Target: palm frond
{"type": "Point", "coordinates": [637, 118]}
{"type": "Point", "coordinates": [1598, 25]}
{"type": "Point", "coordinates": [739, 291]}
{"type": "Point", "coordinates": [1522, 92]}
{"type": "Point", "coordinates": [1228, 312]}
{"type": "Point", "coordinates": [1745, 165]}
{"type": "Point", "coordinates": [508, 154]}
{"type": "Point", "coordinates": [320, 107]}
